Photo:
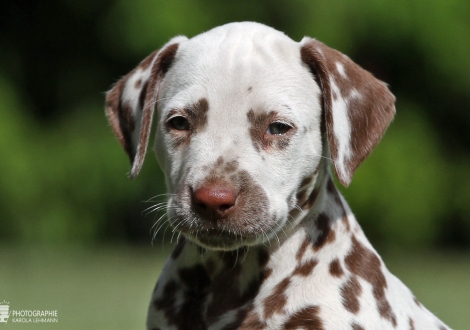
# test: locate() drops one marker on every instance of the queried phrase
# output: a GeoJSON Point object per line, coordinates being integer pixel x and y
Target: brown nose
{"type": "Point", "coordinates": [214, 201]}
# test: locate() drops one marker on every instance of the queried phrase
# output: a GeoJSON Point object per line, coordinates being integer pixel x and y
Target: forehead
{"type": "Point", "coordinates": [240, 64]}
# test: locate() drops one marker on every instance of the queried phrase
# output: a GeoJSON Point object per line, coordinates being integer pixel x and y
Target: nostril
{"type": "Point", "coordinates": [202, 206]}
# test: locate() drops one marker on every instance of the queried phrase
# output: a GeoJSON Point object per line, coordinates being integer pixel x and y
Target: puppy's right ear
{"type": "Point", "coordinates": [130, 104]}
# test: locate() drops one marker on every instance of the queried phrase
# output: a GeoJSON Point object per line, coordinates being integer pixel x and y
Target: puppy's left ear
{"type": "Point", "coordinates": [357, 108]}
{"type": "Point", "coordinates": [130, 104]}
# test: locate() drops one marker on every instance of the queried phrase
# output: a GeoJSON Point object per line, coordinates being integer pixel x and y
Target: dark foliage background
{"type": "Point", "coordinates": [63, 176]}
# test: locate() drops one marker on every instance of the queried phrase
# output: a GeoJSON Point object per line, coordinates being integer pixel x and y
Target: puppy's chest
{"type": "Point", "coordinates": [207, 290]}
{"type": "Point", "coordinates": [242, 290]}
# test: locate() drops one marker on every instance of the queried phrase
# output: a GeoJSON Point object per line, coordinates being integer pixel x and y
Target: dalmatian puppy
{"type": "Point", "coordinates": [248, 124]}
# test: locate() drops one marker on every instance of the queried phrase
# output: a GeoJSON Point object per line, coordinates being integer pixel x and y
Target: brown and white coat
{"type": "Point", "coordinates": [249, 122]}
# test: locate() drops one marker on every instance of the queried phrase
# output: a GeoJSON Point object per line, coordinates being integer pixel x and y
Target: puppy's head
{"type": "Point", "coordinates": [245, 117]}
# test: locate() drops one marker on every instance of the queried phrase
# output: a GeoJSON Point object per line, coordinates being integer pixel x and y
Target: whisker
{"type": "Point", "coordinates": [151, 199]}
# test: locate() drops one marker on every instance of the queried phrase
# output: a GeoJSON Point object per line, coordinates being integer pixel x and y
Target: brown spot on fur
{"type": "Point", "coordinates": [306, 182]}
{"type": "Point", "coordinates": [306, 318]}
{"type": "Point", "coordinates": [250, 89]}
{"type": "Point", "coordinates": [167, 301]}
{"type": "Point", "coordinates": [300, 253]}
{"type": "Point", "coordinates": [230, 289]}
{"type": "Point", "coordinates": [231, 166]}
{"type": "Point", "coordinates": [138, 83]}
{"type": "Point", "coordinates": [310, 200]}
{"type": "Point", "coordinates": [326, 233]}
{"type": "Point", "coordinates": [305, 268]}
{"type": "Point", "coordinates": [263, 141]}
{"type": "Point", "coordinates": [356, 326]}
{"type": "Point", "coordinates": [412, 324]}
{"type": "Point", "coordinates": [194, 284]}
{"type": "Point", "coordinates": [335, 268]}
{"type": "Point", "coordinates": [277, 300]}
{"type": "Point", "coordinates": [305, 201]}
{"type": "Point", "coordinates": [369, 114]}
{"type": "Point", "coordinates": [226, 294]}
{"type": "Point", "coordinates": [366, 264]}
{"type": "Point", "coordinates": [350, 292]}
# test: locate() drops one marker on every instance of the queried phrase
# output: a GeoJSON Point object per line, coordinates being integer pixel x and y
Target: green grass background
{"type": "Point", "coordinates": [109, 287]}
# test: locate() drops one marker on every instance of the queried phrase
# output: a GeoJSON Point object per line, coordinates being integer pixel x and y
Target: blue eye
{"type": "Point", "coordinates": [278, 128]}
{"type": "Point", "coordinates": [179, 123]}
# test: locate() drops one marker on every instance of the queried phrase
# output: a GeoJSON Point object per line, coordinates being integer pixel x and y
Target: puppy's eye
{"type": "Point", "coordinates": [179, 123]}
{"type": "Point", "coordinates": [278, 128]}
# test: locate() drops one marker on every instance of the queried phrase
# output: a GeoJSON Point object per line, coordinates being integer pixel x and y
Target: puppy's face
{"type": "Point", "coordinates": [245, 115]}
{"type": "Point", "coordinates": [238, 131]}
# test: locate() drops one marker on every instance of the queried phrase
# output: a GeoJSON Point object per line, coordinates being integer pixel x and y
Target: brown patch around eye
{"type": "Point", "coordinates": [263, 141]}
{"type": "Point", "coordinates": [196, 114]}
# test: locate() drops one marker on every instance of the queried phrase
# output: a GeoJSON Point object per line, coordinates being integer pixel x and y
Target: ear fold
{"type": "Point", "coordinates": [131, 102]}
{"type": "Point", "coordinates": [357, 107]}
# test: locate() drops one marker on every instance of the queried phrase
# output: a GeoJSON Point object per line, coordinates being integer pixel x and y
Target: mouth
{"type": "Point", "coordinates": [224, 234]}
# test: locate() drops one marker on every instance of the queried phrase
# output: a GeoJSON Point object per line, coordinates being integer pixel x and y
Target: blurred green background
{"type": "Point", "coordinates": [73, 234]}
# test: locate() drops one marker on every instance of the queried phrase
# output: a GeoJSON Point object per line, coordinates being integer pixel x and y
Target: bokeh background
{"type": "Point", "coordinates": [74, 236]}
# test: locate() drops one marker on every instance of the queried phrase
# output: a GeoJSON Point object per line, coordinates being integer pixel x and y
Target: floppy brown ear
{"type": "Point", "coordinates": [131, 102]}
{"type": "Point", "coordinates": [357, 107]}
